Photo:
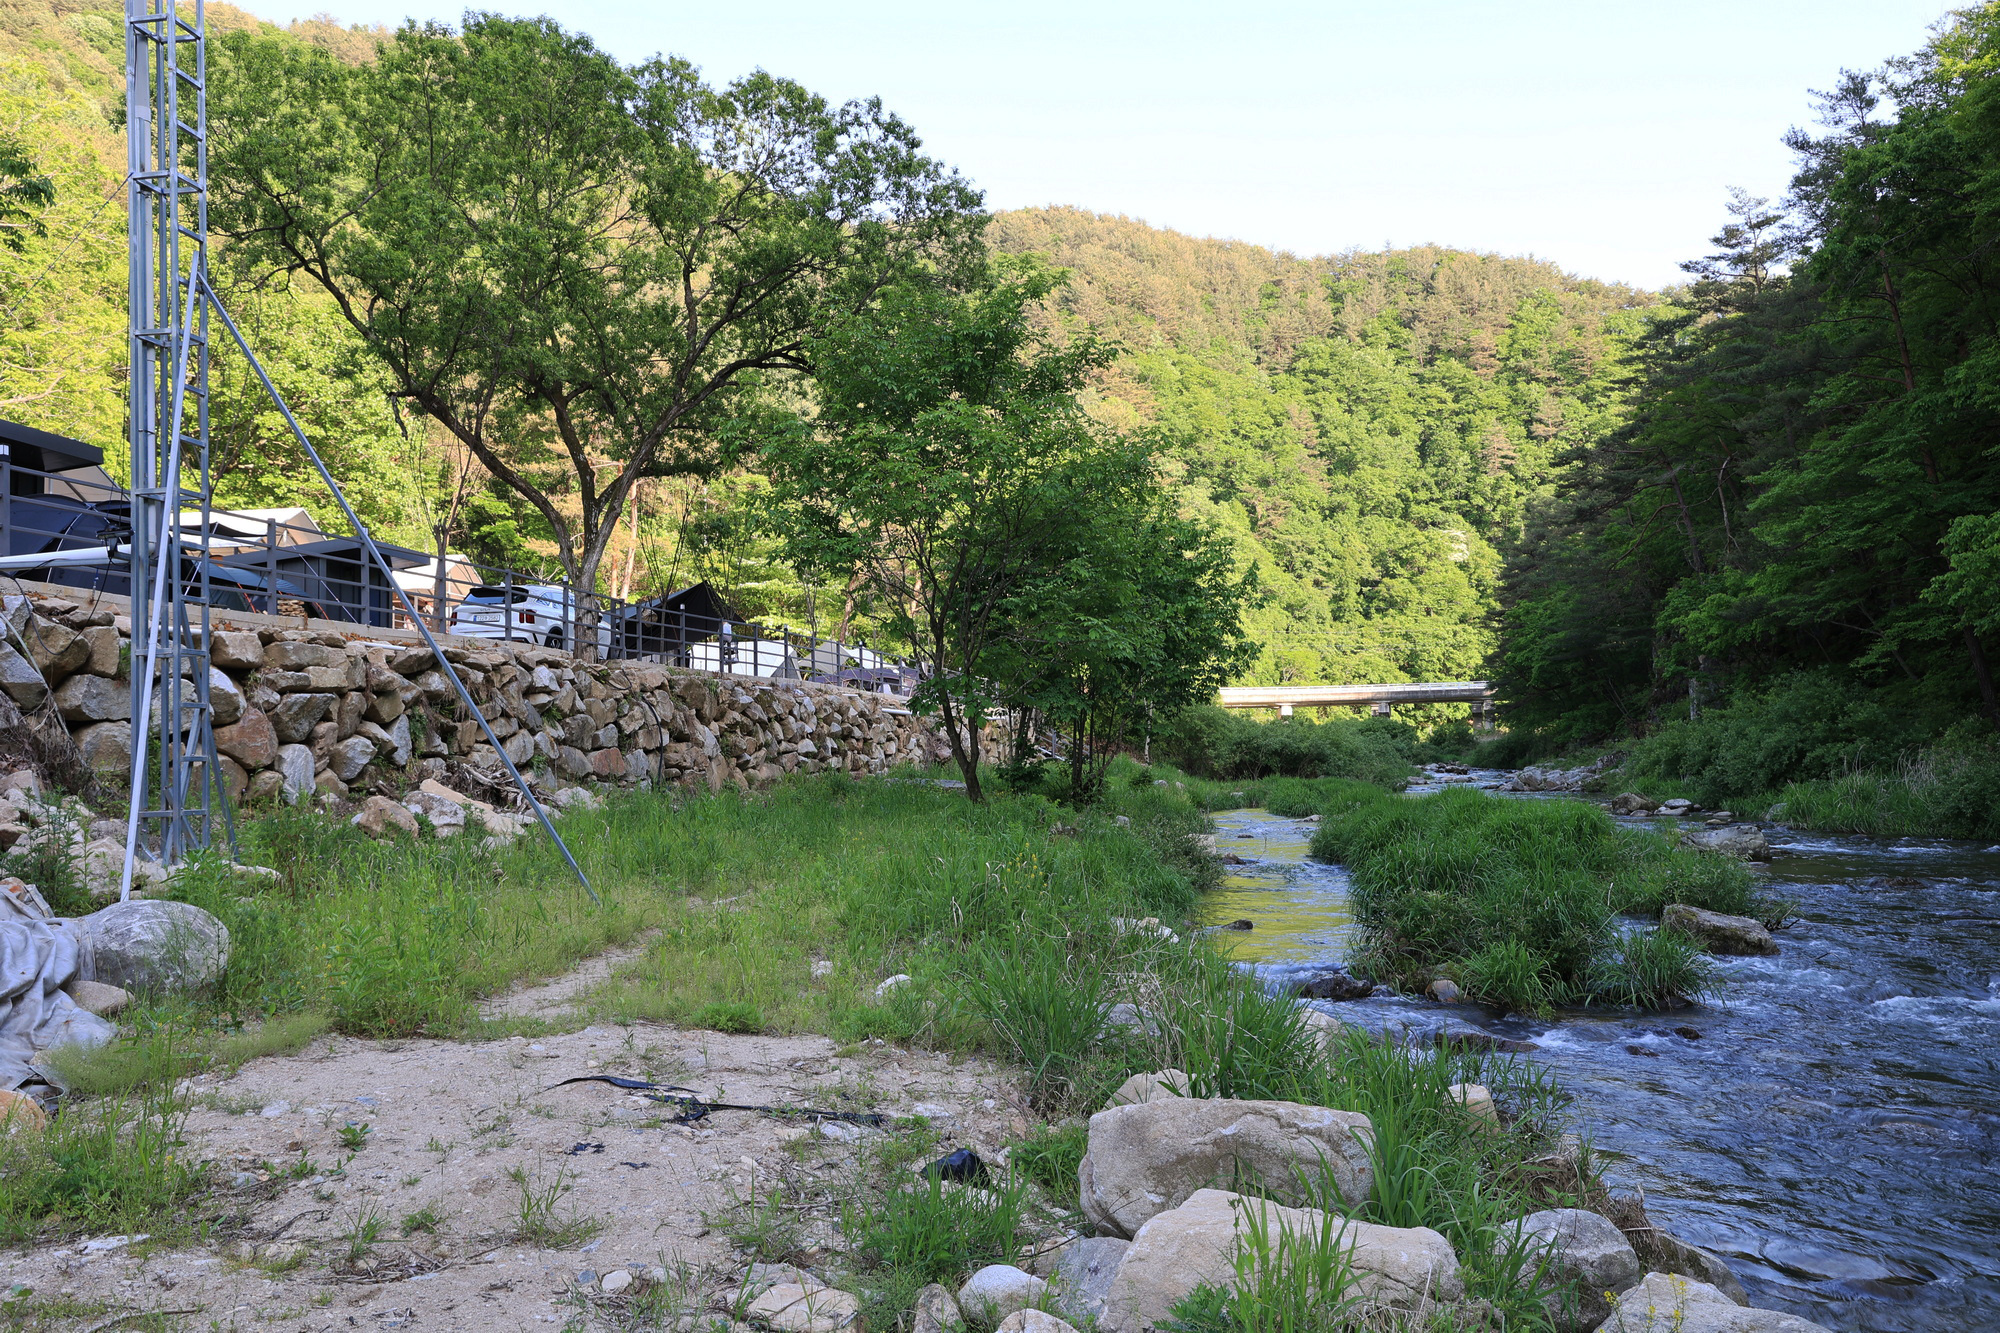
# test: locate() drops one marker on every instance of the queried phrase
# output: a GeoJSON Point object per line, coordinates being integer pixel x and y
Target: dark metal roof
{"type": "Point", "coordinates": [348, 548]}
{"type": "Point", "coordinates": [45, 451]}
{"type": "Point", "coordinates": [701, 602]}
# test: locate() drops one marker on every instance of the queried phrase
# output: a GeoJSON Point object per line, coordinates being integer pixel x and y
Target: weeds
{"type": "Point", "coordinates": [1047, 1009]}
{"type": "Point", "coordinates": [363, 1232]}
{"type": "Point", "coordinates": [353, 1136]}
{"type": "Point", "coordinates": [541, 1220]}
{"type": "Point", "coordinates": [1290, 1278]}
{"type": "Point", "coordinates": [426, 1219]}
{"type": "Point", "coordinates": [932, 1230]}
{"type": "Point", "coordinates": [1050, 1156]}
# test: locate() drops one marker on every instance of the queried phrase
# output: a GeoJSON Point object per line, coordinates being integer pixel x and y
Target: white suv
{"type": "Point", "coordinates": [539, 613]}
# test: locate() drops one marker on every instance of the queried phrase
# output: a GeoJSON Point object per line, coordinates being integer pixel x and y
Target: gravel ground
{"type": "Point", "coordinates": [461, 1131]}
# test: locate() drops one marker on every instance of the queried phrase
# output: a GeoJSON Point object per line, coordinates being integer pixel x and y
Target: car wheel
{"type": "Point", "coordinates": [555, 639]}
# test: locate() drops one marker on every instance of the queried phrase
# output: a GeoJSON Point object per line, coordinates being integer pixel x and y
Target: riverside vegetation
{"type": "Point", "coordinates": [1006, 916]}
{"type": "Point", "coordinates": [1518, 902]}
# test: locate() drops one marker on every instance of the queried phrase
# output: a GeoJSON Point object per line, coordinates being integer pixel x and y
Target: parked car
{"type": "Point", "coordinates": [538, 613]}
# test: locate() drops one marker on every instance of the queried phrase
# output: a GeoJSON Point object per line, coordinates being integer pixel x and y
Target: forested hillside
{"type": "Point", "coordinates": [1787, 564]}
{"type": "Point", "coordinates": [1368, 427]}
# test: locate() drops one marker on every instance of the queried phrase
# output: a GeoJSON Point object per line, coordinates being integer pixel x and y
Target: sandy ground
{"type": "Point", "coordinates": [466, 1131]}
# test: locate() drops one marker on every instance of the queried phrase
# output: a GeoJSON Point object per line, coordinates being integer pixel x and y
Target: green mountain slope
{"type": "Point", "coordinates": [1371, 428]}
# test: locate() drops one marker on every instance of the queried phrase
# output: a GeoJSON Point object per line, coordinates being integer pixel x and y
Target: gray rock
{"type": "Point", "coordinates": [1334, 985]}
{"type": "Point", "coordinates": [297, 714]}
{"type": "Point", "coordinates": [97, 997]}
{"type": "Point", "coordinates": [224, 697]}
{"type": "Point", "coordinates": [1150, 1088]}
{"type": "Point", "coordinates": [1082, 1277]}
{"type": "Point", "coordinates": [1719, 932]}
{"type": "Point", "coordinates": [1033, 1321]}
{"type": "Point", "coordinates": [1584, 1249]}
{"type": "Point", "coordinates": [446, 815]}
{"type": "Point", "coordinates": [1411, 1270]}
{"type": "Point", "coordinates": [399, 742]}
{"type": "Point", "coordinates": [350, 756]}
{"type": "Point", "coordinates": [236, 650]}
{"type": "Point", "coordinates": [19, 680]}
{"type": "Point", "coordinates": [1147, 1159]}
{"type": "Point", "coordinates": [295, 770]}
{"type": "Point", "coordinates": [1670, 1303]}
{"type": "Point", "coordinates": [1677, 1256]}
{"type": "Point", "coordinates": [106, 746]}
{"type": "Point", "coordinates": [93, 699]}
{"type": "Point", "coordinates": [302, 657]}
{"type": "Point", "coordinates": [153, 945]}
{"type": "Point", "coordinates": [998, 1290]}
{"type": "Point", "coordinates": [1746, 841]}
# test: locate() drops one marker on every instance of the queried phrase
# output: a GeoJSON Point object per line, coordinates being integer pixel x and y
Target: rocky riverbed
{"type": "Point", "coordinates": [1825, 1121]}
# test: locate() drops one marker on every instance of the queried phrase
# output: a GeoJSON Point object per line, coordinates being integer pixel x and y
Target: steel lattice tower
{"type": "Point", "coordinates": [175, 802]}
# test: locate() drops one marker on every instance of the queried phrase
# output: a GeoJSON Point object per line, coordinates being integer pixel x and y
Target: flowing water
{"type": "Point", "coordinates": [1834, 1130]}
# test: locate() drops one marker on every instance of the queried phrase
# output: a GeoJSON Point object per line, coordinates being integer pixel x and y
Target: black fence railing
{"type": "Point", "coordinates": [279, 562]}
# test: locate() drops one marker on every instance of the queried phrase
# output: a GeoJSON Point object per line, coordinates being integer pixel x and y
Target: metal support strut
{"type": "Point", "coordinates": [171, 297]}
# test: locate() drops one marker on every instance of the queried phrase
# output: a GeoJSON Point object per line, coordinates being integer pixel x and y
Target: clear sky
{"type": "Point", "coordinates": [1602, 135]}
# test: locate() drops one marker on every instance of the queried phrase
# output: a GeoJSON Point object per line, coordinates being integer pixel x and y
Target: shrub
{"type": "Point", "coordinates": [1807, 726]}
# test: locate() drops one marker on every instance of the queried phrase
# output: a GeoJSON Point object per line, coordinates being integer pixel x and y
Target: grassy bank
{"type": "Point", "coordinates": [1518, 902]}
{"type": "Point", "coordinates": [1008, 918]}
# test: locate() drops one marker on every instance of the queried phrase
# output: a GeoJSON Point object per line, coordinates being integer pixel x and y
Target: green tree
{"type": "Point", "coordinates": [952, 467]}
{"type": "Point", "coordinates": [1141, 622]}
{"type": "Point", "coordinates": [24, 191]}
{"type": "Point", "coordinates": [587, 273]}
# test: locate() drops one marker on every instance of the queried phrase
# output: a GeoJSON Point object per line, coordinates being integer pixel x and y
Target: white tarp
{"type": "Point", "coordinates": [37, 959]}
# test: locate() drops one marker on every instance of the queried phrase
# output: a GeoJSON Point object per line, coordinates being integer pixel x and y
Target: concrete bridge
{"type": "Point", "coordinates": [1379, 698]}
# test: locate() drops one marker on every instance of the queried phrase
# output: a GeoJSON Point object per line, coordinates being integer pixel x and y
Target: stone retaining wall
{"type": "Point", "coordinates": [299, 710]}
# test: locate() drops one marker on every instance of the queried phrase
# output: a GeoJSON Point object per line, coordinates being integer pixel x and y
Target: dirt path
{"type": "Point", "coordinates": [468, 1137]}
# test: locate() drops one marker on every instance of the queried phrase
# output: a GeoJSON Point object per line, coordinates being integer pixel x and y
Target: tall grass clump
{"type": "Point", "coordinates": [1516, 901]}
{"type": "Point", "coordinates": [113, 1160]}
{"type": "Point", "coordinates": [1944, 791]}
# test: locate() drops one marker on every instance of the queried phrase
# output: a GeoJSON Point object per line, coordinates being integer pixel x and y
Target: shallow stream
{"type": "Point", "coordinates": [1835, 1129]}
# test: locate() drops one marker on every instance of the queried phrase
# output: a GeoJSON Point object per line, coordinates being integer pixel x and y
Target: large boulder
{"type": "Point", "coordinates": [1585, 1258]}
{"type": "Point", "coordinates": [94, 699]}
{"type": "Point", "coordinates": [153, 946]}
{"type": "Point", "coordinates": [1741, 840]}
{"type": "Point", "coordinates": [225, 699]}
{"type": "Point", "coordinates": [106, 747]}
{"type": "Point", "coordinates": [1406, 1269]}
{"type": "Point", "coordinates": [1718, 932]}
{"type": "Point", "coordinates": [1632, 803]}
{"type": "Point", "coordinates": [350, 756]}
{"type": "Point", "coordinates": [1146, 1159]}
{"type": "Point", "coordinates": [1670, 1303]}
